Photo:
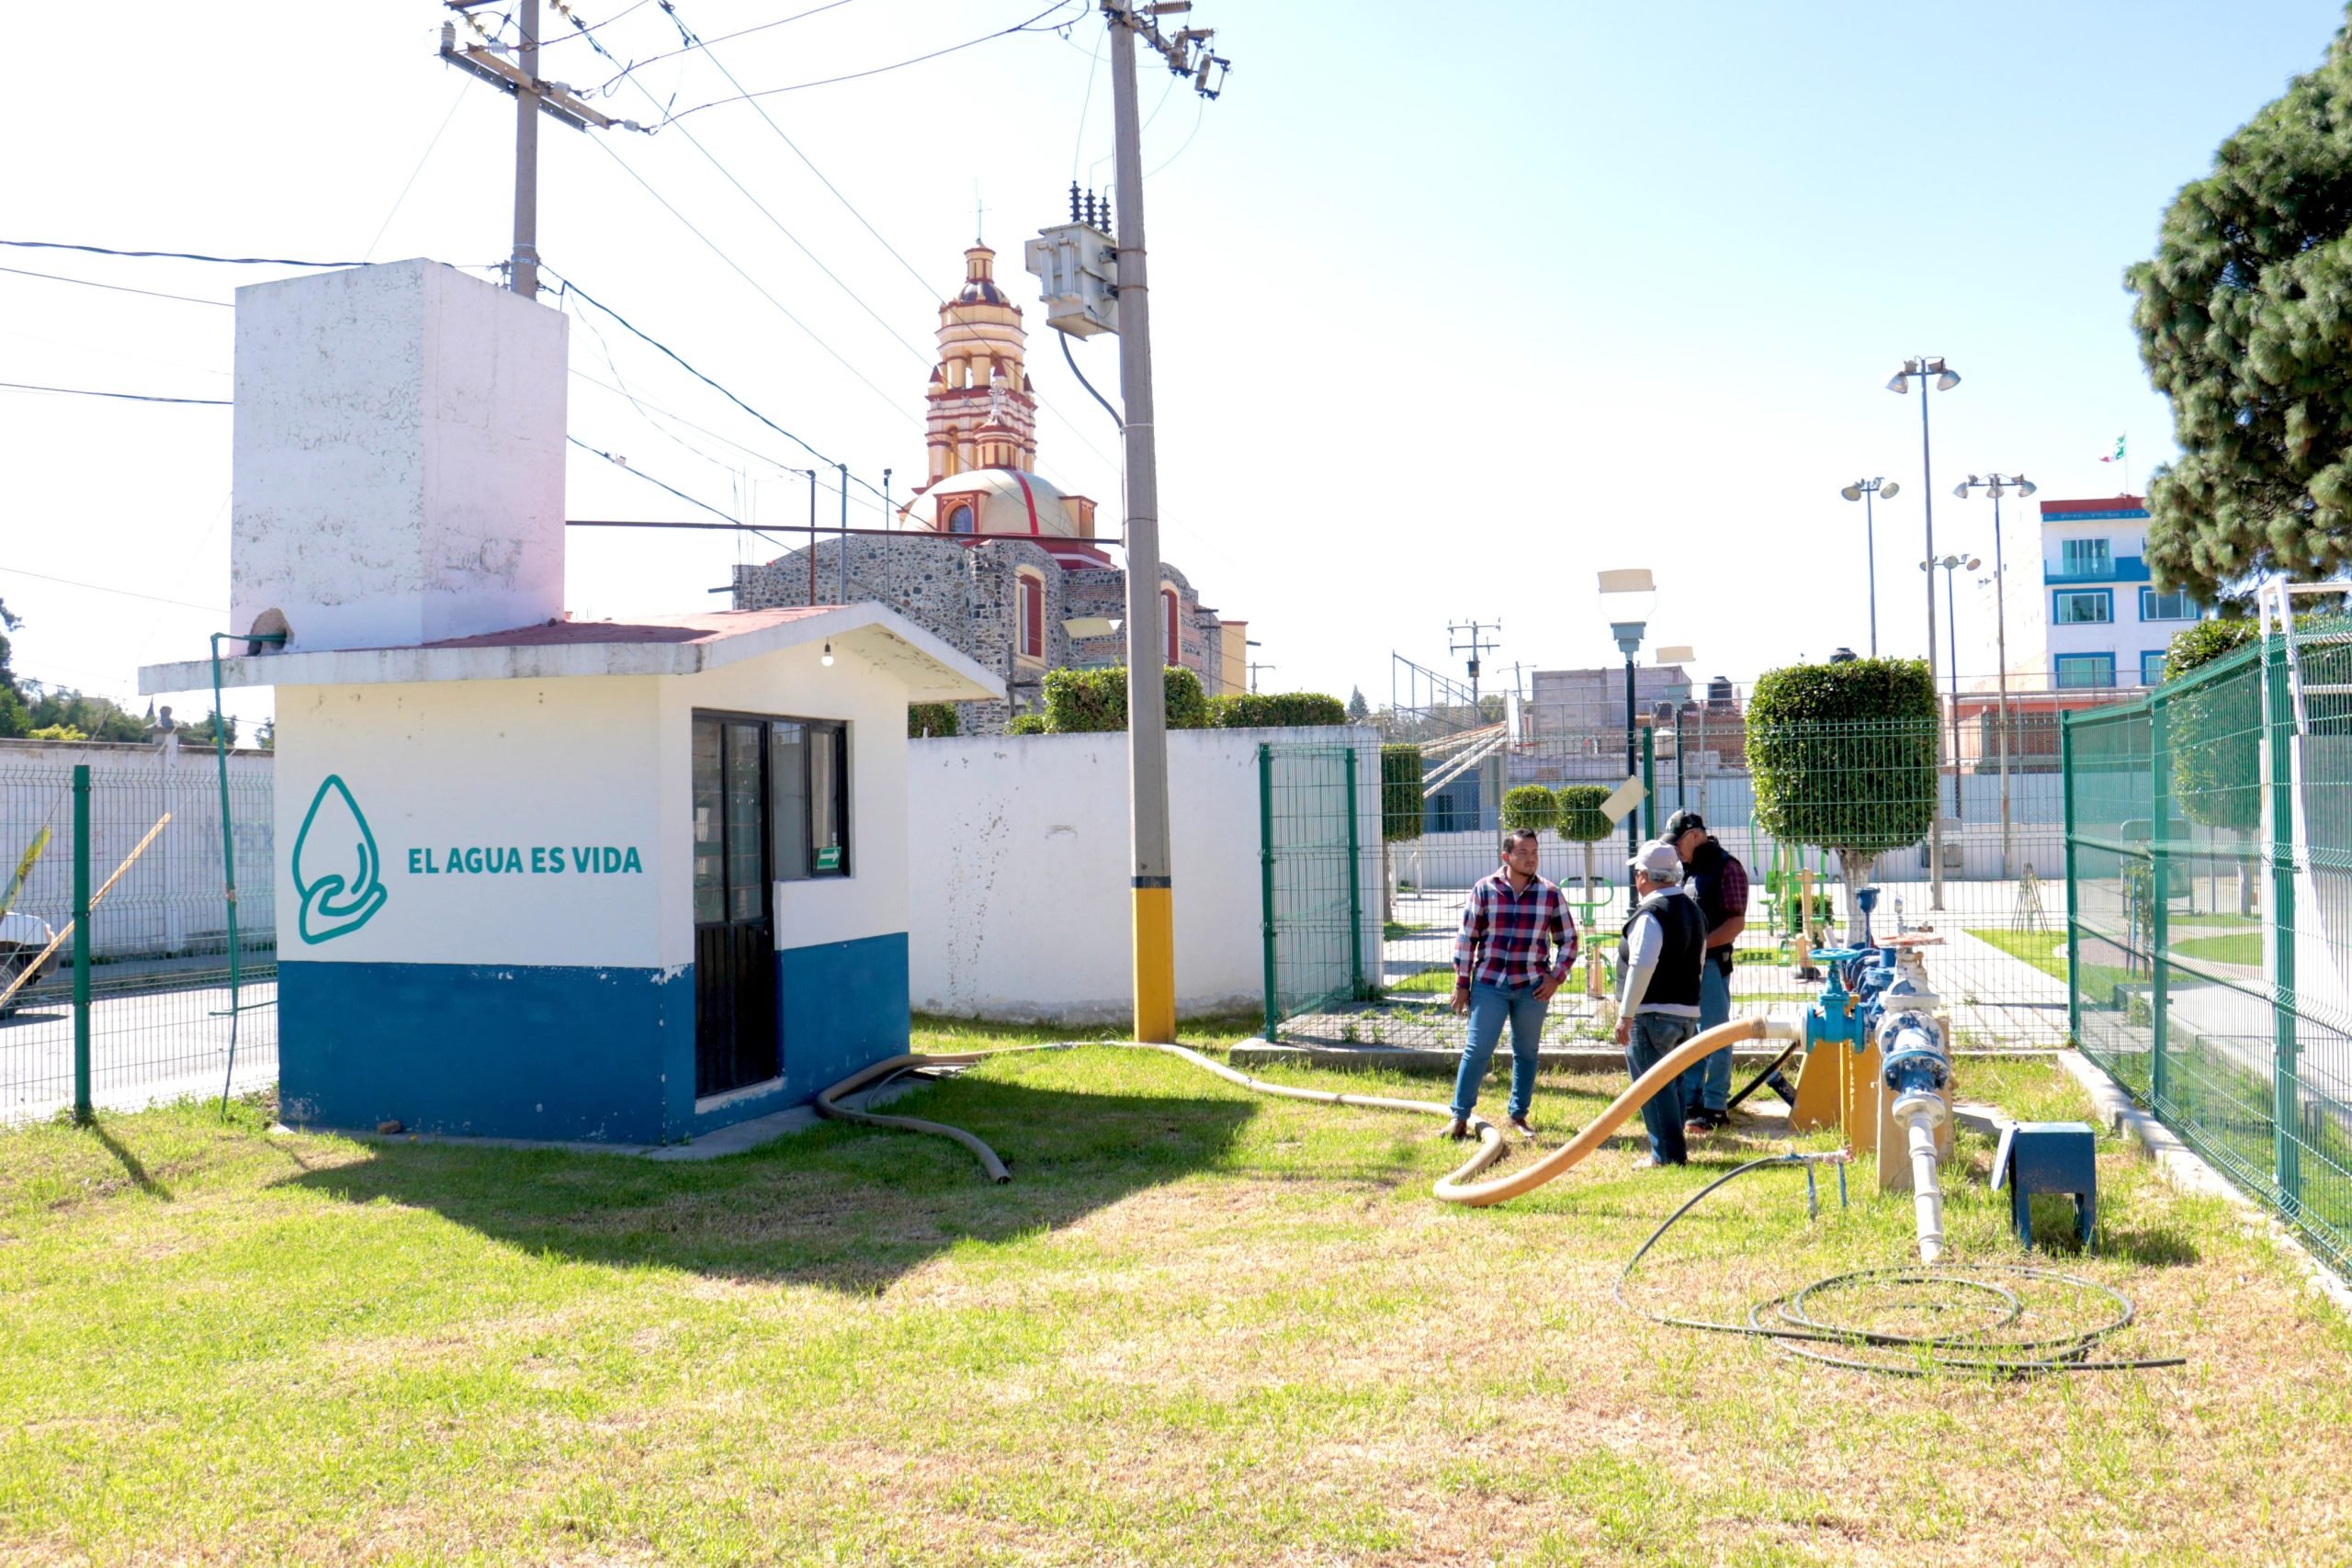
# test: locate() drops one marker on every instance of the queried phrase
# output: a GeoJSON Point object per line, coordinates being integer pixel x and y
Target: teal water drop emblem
{"type": "Point", "coordinates": [335, 865]}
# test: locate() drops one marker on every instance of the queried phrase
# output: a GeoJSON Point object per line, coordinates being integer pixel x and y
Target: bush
{"type": "Point", "coordinates": [1400, 792]}
{"type": "Point", "coordinates": [1093, 702]}
{"type": "Point", "coordinates": [56, 732]}
{"type": "Point", "coordinates": [1255, 710]}
{"type": "Point", "coordinates": [1580, 819]}
{"type": "Point", "coordinates": [1844, 756]}
{"type": "Point", "coordinates": [925, 719]}
{"type": "Point", "coordinates": [1027, 724]}
{"type": "Point", "coordinates": [1529, 805]}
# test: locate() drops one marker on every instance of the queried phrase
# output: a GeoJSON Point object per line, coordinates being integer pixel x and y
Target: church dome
{"type": "Point", "coordinates": [1001, 500]}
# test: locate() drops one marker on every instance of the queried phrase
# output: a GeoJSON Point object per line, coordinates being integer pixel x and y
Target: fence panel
{"type": "Point", "coordinates": [2002, 897]}
{"type": "Point", "coordinates": [2211, 916]}
{"type": "Point", "coordinates": [158, 1016]}
{"type": "Point", "coordinates": [1311, 807]}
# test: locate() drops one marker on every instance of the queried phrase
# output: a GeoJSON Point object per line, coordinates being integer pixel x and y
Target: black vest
{"type": "Point", "coordinates": [1705, 877]}
{"type": "Point", "coordinates": [1683, 927]}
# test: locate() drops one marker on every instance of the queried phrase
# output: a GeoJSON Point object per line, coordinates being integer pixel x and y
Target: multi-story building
{"type": "Point", "coordinates": [2107, 624]}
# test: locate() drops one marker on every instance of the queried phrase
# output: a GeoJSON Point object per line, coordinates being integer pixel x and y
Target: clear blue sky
{"type": "Point", "coordinates": [1455, 307]}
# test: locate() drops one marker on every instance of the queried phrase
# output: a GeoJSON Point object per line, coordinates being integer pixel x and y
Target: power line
{"type": "Point", "coordinates": [649, 408]}
{"type": "Point", "coordinates": [1026, 26]}
{"type": "Point", "coordinates": [117, 288]}
{"type": "Point", "coordinates": [454, 104]}
{"type": "Point", "coordinates": [125, 593]}
{"type": "Point", "coordinates": [693, 43]}
{"type": "Point", "coordinates": [128, 397]}
{"type": "Point", "coordinates": [623, 464]}
{"type": "Point", "coordinates": [175, 256]}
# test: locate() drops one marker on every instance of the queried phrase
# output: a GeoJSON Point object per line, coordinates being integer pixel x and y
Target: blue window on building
{"type": "Point", "coordinates": [2086, 558]}
{"type": "Point", "coordinates": [2084, 668]}
{"type": "Point", "coordinates": [2151, 667]}
{"type": "Point", "coordinates": [2155, 606]}
{"type": "Point", "coordinates": [2082, 607]}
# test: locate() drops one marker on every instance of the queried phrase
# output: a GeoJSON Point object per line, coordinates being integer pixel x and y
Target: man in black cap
{"type": "Point", "coordinates": [1714, 876]}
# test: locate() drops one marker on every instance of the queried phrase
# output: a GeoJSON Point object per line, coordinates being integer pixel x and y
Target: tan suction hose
{"type": "Point", "coordinates": [1491, 1140]}
{"type": "Point", "coordinates": [1568, 1156]}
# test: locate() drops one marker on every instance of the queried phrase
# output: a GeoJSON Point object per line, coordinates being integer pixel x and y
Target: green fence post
{"type": "Point", "coordinates": [2160, 908]}
{"type": "Point", "coordinates": [1649, 778]}
{"type": "Point", "coordinates": [1355, 886]}
{"type": "Point", "coordinates": [2287, 1100]}
{"type": "Point", "coordinates": [82, 941]}
{"type": "Point", "coordinates": [2074, 896]}
{"type": "Point", "coordinates": [1266, 878]}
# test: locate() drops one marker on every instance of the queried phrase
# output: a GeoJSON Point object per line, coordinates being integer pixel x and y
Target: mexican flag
{"type": "Point", "coordinates": [2116, 455]}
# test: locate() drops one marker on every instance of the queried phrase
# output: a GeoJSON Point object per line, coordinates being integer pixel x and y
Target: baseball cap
{"type": "Point", "coordinates": [1661, 860]}
{"type": "Point", "coordinates": [1682, 822]}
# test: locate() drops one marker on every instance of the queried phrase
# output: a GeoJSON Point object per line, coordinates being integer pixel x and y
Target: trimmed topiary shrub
{"type": "Point", "coordinates": [1093, 702]}
{"type": "Point", "coordinates": [928, 719]}
{"type": "Point", "coordinates": [1581, 822]}
{"type": "Point", "coordinates": [1844, 758]}
{"type": "Point", "coordinates": [1257, 710]}
{"type": "Point", "coordinates": [1529, 805]}
{"type": "Point", "coordinates": [1027, 724]}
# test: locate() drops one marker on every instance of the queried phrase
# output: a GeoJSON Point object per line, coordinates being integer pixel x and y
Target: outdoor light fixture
{"type": "Point", "coordinates": [1627, 597]}
{"type": "Point", "coordinates": [828, 656]}
{"type": "Point", "coordinates": [1994, 485]}
{"type": "Point", "coordinates": [1946, 378]}
{"type": "Point", "coordinates": [1865, 491]}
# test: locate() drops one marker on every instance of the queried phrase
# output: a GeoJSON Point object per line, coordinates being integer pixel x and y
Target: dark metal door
{"type": "Point", "coordinates": [735, 981]}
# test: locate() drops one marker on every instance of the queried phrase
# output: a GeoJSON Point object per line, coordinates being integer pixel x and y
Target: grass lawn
{"type": "Point", "coordinates": [2235, 947]}
{"type": "Point", "coordinates": [1197, 1327]}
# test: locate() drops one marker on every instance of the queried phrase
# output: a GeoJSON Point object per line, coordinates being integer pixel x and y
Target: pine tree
{"type": "Point", "coordinates": [1358, 709]}
{"type": "Point", "coordinates": [2241, 318]}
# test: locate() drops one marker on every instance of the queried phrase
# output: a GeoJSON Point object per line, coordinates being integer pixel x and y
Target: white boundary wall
{"type": "Point", "coordinates": [1020, 875]}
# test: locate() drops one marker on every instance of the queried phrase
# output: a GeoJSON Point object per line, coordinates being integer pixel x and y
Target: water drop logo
{"type": "Point", "coordinates": [335, 865]}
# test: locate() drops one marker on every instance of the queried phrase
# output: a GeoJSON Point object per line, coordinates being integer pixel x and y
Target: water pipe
{"type": "Point", "coordinates": [1917, 1072]}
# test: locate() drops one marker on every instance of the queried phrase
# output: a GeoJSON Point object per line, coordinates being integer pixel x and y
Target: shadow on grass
{"type": "Point", "coordinates": [845, 1207]}
{"type": "Point", "coordinates": [130, 1163]}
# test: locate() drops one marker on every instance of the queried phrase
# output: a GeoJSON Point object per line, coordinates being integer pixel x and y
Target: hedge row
{"type": "Point", "coordinates": [1090, 702]}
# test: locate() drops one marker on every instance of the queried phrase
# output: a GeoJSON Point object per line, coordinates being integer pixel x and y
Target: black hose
{"type": "Point", "coordinates": [1964, 1350]}
{"type": "Point", "coordinates": [1761, 1080]}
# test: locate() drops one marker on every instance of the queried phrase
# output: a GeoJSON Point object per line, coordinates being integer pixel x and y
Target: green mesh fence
{"type": "Point", "coordinates": [2210, 937]}
{"type": "Point", "coordinates": [1779, 801]}
{"type": "Point", "coordinates": [156, 1010]}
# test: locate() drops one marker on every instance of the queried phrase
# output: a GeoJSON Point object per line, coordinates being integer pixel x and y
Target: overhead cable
{"type": "Point", "coordinates": [693, 43]}
{"type": "Point", "coordinates": [177, 255]}
{"type": "Point", "coordinates": [127, 397]}
{"type": "Point", "coordinates": [117, 288]}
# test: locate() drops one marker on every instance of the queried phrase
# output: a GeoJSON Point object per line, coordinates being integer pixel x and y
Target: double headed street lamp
{"type": "Point", "coordinates": [1996, 486]}
{"type": "Point", "coordinates": [1863, 491]}
{"type": "Point", "coordinates": [1952, 630]}
{"type": "Point", "coordinates": [1927, 369]}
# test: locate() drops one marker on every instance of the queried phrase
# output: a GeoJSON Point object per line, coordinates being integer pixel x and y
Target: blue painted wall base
{"type": "Point", "coordinates": [558, 1053]}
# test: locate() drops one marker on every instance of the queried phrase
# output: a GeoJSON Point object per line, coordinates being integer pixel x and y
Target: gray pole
{"type": "Point", "coordinates": [1633, 770]}
{"type": "Point", "coordinates": [1155, 951]}
{"type": "Point", "coordinates": [1869, 537]}
{"type": "Point", "coordinates": [1952, 677]}
{"type": "Point", "coordinates": [2001, 644]}
{"type": "Point", "coordinates": [1927, 503]}
{"type": "Point", "coordinates": [813, 535]}
{"type": "Point", "coordinates": [844, 469]}
{"type": "Point", "coordinates": [524, 273]}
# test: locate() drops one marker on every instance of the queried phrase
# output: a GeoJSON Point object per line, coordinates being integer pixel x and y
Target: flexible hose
{"type": "Point", "coordinates": [1797, 1329]}
{"type": "Point", "coordinates": [1667, 1068]}
{"type": "Point", "coordinates": [1490, 1139]}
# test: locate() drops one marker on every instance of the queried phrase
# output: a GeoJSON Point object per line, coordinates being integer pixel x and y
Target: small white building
{"type": "Point", "coordinates": [627, 880]}
{"type": "Point", "coordinates": [2108, 626]}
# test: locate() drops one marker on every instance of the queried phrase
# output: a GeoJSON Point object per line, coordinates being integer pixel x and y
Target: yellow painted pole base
{"type": "Point", "coordinates": [1861, 1109]}
{"type": "Point", "coordinates": [1818, 1089]}
{"type": "Point", "coordinates": [1155, 933]}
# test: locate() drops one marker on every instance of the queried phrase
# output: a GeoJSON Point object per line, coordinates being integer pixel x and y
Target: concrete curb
{"type": "Point", "coordinates": [1256, 1053]}
{"type": "Point", "coordinates": [2185, 1169]}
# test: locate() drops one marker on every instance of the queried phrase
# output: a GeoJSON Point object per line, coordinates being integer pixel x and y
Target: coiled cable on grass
{"type": "Point", "coordinates": [1789, 1318]}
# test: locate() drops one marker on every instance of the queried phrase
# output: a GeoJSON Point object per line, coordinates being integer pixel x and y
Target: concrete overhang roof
{"type": "Point", "coordinates": [651, 645]}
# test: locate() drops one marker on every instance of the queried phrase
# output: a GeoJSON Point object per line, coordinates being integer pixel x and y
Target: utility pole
{"type": "Point", "coordinates": [1477, 630]}
{"type": "Point", "coordinates": [844, 469]}
{"type": "Point", "coordinates": [532, 97]}
{"type": "Point", "coordinates": [1153, 888]}
{"type": "Point", "coordinates": [1253, 675]}
{"type": "Point", "coordinates": [812, 533]}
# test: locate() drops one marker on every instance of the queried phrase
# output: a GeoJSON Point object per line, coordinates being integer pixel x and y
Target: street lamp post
{"type": "Point", "coordinates": [1952, 631]}
{"type": "Point", "coordinates": [1865, 491]}
{"type": "Point", "coordinates": [1944, 380]}
{"type": "Point", "coordinates": [1678, 691]}
{"type": "Point", "coordinates": [1626, 598]}
{"type": "Point", "coordinates": [1994, 486]}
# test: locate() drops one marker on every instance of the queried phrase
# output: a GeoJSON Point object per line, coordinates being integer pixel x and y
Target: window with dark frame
{"type": "Point", "coordinates": [1175, 642]}
{"type": "Point", "coordinates": [1033, 618]}
{"type": "Point", "coordinates": [808, 800]}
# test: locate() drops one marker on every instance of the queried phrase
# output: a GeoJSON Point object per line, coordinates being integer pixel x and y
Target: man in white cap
{"type": "Point", "coordinates": [1658, 959]}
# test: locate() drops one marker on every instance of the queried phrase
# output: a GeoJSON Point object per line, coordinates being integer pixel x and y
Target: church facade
{"type": "Point", "coordinates": [987, 553]}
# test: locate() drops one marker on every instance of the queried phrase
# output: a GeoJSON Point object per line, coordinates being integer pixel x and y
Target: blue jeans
{"type": "Point", "coordinates": [1655, 1035]}
{"type": "Point", "coordinates": [1488, 1007]}
{"type": "Point", "coordinates": [1707, 1081]}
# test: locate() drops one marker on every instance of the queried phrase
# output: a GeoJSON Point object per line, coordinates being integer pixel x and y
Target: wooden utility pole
{"type": "Point", "coordinates": [532, 97]}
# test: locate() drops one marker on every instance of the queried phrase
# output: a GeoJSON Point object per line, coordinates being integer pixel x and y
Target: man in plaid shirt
{"type": "Point", "coordinates": [1517, 943]}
